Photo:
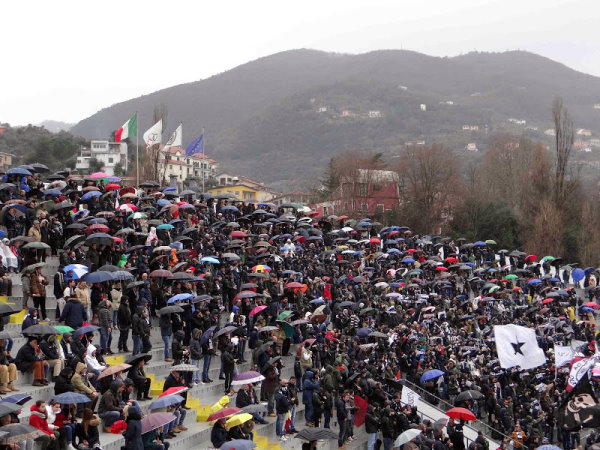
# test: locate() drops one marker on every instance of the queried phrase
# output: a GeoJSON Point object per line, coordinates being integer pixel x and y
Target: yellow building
{"type": "Point", "coordinates": [239, 191]}
{"type": "Point", "coordinates": [5, 161]}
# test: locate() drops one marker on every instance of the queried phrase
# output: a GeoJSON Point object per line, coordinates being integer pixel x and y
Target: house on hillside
{"type": "Point", "coordinates": [243, 188]}
{"type": "Point", "coordinates": [423, 107]}
{"type": "Point", "coordinates": [6, 161]}
{"type": "Point", "coordinates": [174, 164]}
{"type": "Point", "coordinates": [370, 192]}
{"type": "Point", "coordinates": [472, 147]}
{"type": "Point", "coordinates": [110, 154]}
{"type": "Point", "coordinates": [550, 132]}
{"type": "Point", "coordinates": [300, 197]}
{"type": "Point", "coordinates": [583, 132]}
{"type": "Point", "coordinates": [374, 114]}
{"type": "Point", "coordinates": [470, 127]}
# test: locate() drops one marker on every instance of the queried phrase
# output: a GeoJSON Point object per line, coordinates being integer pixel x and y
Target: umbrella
{"type": "Point", "coordinates": [36, 246]}
{"type": "Point", "coordinates": [431, 375]}
{"type": "Point", "coordinates": [176, 390]}
{"type": "Point", "coordinates": [90, 195]}
{"type": "Point", "coordinates": [99, 238]}
{"type": "Point", "coordinates": [223, 413]}
{"type": "Point", "coordinates": [239, 419]}
{"type": "Point", "coordinates": [284, 315]}
{"type": "Point", "coordinates": [156, 420]}
{"type": "Point", "coordinates": [225, 330]}
{"type": "Point", "coordinates": [39, 330]}
{"type": "Point", "coordinates": [19, 399]}
{"type": "Point", "coordinates": [78, 270]}
{"type": "Point", "coordinates": [114, 369]}
{"type": "Point", "coordinates": [440, 423]}
{"type": "Point", "coordinates": [248, 377]}
{"type": "Point", "coordinates": [85, 330]}
{"type": "Point", "coordinates": [314, 434]}
{"type": "Point", "coordinates": [165, 402]}
{"type": "Point", "coordinates": [210, 260]}
{"type": "Point", "coordinates": [460, 413]}
{"type": "Point", "coordinates": [32, 267]}
{"type": "Point", "coordinates": [133, 361]}
{"type": "Point", "coordinates": [377, 334]}
{"type": "Point", "coordinates": [185, 368]}
{"type": "Point", "coordinates": [257, 309]}
{"type": "Point", "coordinates": [122, 275]}
{"type": "Point", "coordinates": [255, 409]}
{"type": "Point", "coordinates": [407, 436]}
{"type": "Point", "coordinates": [180, 297]}
{"type": "Point", "coordinates": [62, 329]}
{"type": "Point", "coordinates": [468, 395]}
{"type": "Point", "coordinates": [238, 444]}
{"type": "Point", "coordinates": [171, 309]}
{"type": "Point", "coordinates": [68, 398]}
{"type": "Point", "coordinates": [6, 310]}
{"type": "Point", "coordinates": [363, 332]}
{"type": "Point", "coordinates": [98, 277]}
{"type": "Point", "coordinates": [9, 407]}
{"type": "Point", "coordinates": [552, 447]}
{"type": "Point", "coordinates": [160, 273]}
{"type": "Point", "coordinates": [18, 432]}
{"type": "Point", "coordinates": [287, 327]}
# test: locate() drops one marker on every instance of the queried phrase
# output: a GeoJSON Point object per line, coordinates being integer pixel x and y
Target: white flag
{"type": "Point", "coordinates": [578, 370]}
{"type": "Point", "coordinates": [175, 139]}
{"type": "Point", "coordinates": [563, 355]}
{"type": "Point", "coordinates": [154, 134]}
{"type": "Point", "coordinates": [409, 397]}
{"type": "Point", "coordinates": [517, 346]}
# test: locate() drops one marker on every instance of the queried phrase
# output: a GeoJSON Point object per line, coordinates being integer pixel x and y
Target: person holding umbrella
{"type": "Point", "coordinates": [28, 360]}
{"type": "Point", "coordinates": [218, 434]}
{"type": "Point", "coordinates": [139, 378]}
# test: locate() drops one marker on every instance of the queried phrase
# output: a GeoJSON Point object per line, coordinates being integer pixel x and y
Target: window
{"type": "Point", "coordinates": [362, 189]}
{"type": "Point", "coordinates": [377, 186]}
{"type": "Point", "coordinates": [237, 193]}
{"type": "Point", "coordinates": [110, 160]}
{"type": "Point", "coordinates": [364, 206]}
{"type": "Point", "coordinates": [379, 207]}
{"type": "Point", "coordinates": [171, 166]}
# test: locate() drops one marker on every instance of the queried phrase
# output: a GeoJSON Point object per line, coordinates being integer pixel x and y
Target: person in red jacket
{"type": "Point", "coordinates": [49, 439]}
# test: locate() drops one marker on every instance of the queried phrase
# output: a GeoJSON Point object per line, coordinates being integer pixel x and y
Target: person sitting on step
{"type": "Point", "coordinates": [8, 371]}
{"type": "Point", "coordinates": [29, 359]}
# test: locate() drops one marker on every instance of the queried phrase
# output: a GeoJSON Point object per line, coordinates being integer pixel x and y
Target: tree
{"type": "Point", "coordinates": [96, 165]}
{"type": "Point", "coordinates": [564, 136]}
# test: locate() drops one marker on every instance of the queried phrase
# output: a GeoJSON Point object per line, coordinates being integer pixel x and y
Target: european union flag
{"type": "Point", "coordinates": [196, 146]}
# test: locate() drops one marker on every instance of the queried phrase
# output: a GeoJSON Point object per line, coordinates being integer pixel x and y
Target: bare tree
{"type": "Point", "coordinates": [563, 127]}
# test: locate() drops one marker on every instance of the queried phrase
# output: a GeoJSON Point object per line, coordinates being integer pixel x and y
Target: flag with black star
{"type": "Point", "coordinates": [517, 346]}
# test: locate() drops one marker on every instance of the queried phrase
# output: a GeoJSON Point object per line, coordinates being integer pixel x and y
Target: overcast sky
{"type": "Point", "coordinates": [64, 60]}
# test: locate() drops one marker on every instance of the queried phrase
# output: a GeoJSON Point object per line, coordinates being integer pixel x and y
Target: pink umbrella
{"type": "Point", "coordinates": [128, 207]}
{"type": "Point", "coordinates": [258, 309]}
{"type": "Point", "coordinates": [99, 175]}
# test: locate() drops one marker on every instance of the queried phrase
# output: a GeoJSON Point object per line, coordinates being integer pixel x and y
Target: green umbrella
{"type": "Point", "coordinates": [284, 315]}
{"type": "Point", "coordinates": [367, 310]}
{"type": "Point", "coordinates": [490, 242]}
{"type": "Point", "coordinates": [62, 329]}
{"type": "Point", "coordinates": [36, 246]}
{"type": "Point", "coordinates": [287, 327]}
{"type": "Point", "coordinates": [494, 289]}
{"type": "Point", "coordinates": [32, 267]}
{"type": "Point", "coordinates": [511, 276]}
{"type": "Point", "coordinates": [548, 258]}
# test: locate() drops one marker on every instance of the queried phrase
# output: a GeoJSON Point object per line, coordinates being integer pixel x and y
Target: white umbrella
{"type": "Point", "coordinates": [407, 436]}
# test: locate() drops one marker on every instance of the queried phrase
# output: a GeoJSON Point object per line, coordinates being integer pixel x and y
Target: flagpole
{"type": "Point", "coordinates": [137, 151]}
{"type": "Point", "coordinates": [204, 156]}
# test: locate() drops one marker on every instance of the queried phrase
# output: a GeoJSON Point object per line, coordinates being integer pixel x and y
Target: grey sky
{"type": "Point", "coordinates": [66, 59]}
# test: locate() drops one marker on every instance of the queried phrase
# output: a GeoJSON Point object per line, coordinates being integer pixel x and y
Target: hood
{"type": "Point", "coordinates": [115, 385]}
{"type": "Point", "coordinates": [180, 335]}
{"type": "Point", "coordinates": [134, 413]}
{"type": "Point", "coordinates": [329, 369]}
{"type": "Point", "coordinates": [309, 375]}
{"type": "Point", "coordinates": [51, 339]}
{"type": "Point", "coordinates": [140, 310]}
{"type": "Point", "coordinates": [35, 410]}
{"type": "Point", "coordinates": [66, 372]}
{"type": "Point", "coordinates": [197, 333]}
{"type": "Point", "coordinates": [30, 311]}
{"type": "Point", "coordinates": [80, 366]}
{"type": "Point", "coordinates": [95, 421]}
{"type": "Point", "coordinates": [91, 349]}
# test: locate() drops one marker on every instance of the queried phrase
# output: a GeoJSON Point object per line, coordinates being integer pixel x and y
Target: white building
{"type": "Point", "coordinates": [109, 153]}
{"type": "Point", "coordinates": [174, 163]}
{"type": "Point", "coordinates": [423, 107]}
{"type": "Point", "coordinates": [375, 114]}
{"type": "Point", "coordinates": [472, 147]}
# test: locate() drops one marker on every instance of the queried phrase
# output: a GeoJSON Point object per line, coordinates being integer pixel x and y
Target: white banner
{"type": "Point", "coordinates": [563, 355]}
{"type": "Point", "coordinates": [154, 134]}
{"type": "Point", "coordinates": [409, 397]}
{"type": "Point", "coordinates": [175, 139]}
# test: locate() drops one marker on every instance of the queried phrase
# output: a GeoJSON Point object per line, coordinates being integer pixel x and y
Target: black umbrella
{"type": "Point", "coordinates": [7, 310]}
{"type": "Point", "coordinates": [39, 330]}
{"type": "Point", "coordinates": [134, 284]}
{"type": "Point", "coordinates": [135, 359]}
{"type": "Point", "coordinates": [18, 432]}
{"type": "Point", "coordinates": [314, 434]}
{"type": "Point", "coordinates": [85, 330]}
{"type": "Point", "coordinates": [170, 310]}
{"type": "Point", "coordinates": [468, 395]}
{"type": "Point", "coordinates": [224, 330]}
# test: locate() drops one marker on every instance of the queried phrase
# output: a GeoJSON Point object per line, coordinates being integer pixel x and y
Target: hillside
{"type": "Point", "coordinates": [262, 119]}
{"type": "Point", "coordinates": [55, 126]}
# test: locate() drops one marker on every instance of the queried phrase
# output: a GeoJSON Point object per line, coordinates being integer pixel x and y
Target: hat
{"type": "Point", "coordinates": [36, 221]}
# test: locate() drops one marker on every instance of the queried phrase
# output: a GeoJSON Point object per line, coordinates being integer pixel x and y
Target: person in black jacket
{"type": "Point", "coordinates": [175, 380]}
{"type": "Point", "coordinates": [137, 329]}
{"type": "Point", "coordinates": [318, 404]}
{"type": "Point", "coordinates": [78, 347]}
{"type": "Point", "coordinates": [177, 348]}
{"type": "Point", "coordinates": [282, 407]}
{"type": "Point", "coordinates": [342, 416]}
{"type": "Point", "coordinates": [124, 324]}
{"type": "Point", "coordinates": [133, 434]}
{"type": "Point", "coordinates": [371, 427]}
{"type": "Point", "coordinates": [73, 313]}
{"type": "Point", "coordinates": [218, 434]}
{"type": "Point", "coordinates": [27, 360]}
{"type": "Point", "coordinates": [50, 351]}
{"type": "Point", "coordinates": [388, 428]}
{"type": "Point", "coordinates": [109, 408]}
{"type": "Point", "coordinates": [141, 382]}
{"type": "Point", "coordinates": [63, 381]}
{"type": "Point", "coordinates": [228, 362]}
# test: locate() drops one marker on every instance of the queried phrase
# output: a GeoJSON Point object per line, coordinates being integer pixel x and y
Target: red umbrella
{"type": "Point", "coordinates": [294, 285]}
{"type": "Point", "coordinates": [257, 310]}
{"type": "Point", "coordinates": [318, 318]}
{"type": "Point", "coordinates": [238, 234]}
{"type": "Point", "coordinates": [530, 258]}
{"type": "Point", "coordinates": [161, 273]}
{"type": "Point", "coordinates": [127, 190]}
{"type": "Point", "coordinates": [544, 310]}
{"type": "Point", "coordinates": [97, 228]}
{"type": "Point", "coordinates": [222, 413]}
{"type": "Point", "coordinates": [441, 269]}
{"type": "Point", "coordinates": [112, 186]}
{"type": "Point", "coordinates": [174, 390]}
{"type": "Point", "coordinates": [546, 301]}
{"type": "Point", "coordinates": [117, 239]}
{"type": "Point", "coordinates": [451, 259]}
{"type": "Point", "coordinates": [411, 250]}
{"type": "Point", "coordinates": [374, 241]}
{"type": "Point", "coordinates": [593, 305]}
{"type": "Point", "coordinates": [460, 413]}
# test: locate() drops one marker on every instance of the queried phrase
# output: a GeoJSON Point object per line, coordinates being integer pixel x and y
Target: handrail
{"type": "Point", "coordinates": [477, 424]}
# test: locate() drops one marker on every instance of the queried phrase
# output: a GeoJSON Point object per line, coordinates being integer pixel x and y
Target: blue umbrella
{"type": "Point", "coordinates": [395, 284]}
{"type": "Point", "coordinates": [238, 444]}
{"type": "Point", "coordinates": [206, 334]}
{"type": "Point", "coordinates": [548, 447]}
{"type": "Point", "coordinates": [114, 179]}
{"type": "Point", "coordinates": [68, 398]}
{"type": "Point", "coordinates": [78, 270]}
{"type": "Point", "coordinates": [578, 274]}
{"type": "Point", "coordinates": [18, 171]}
{"type": "Point", "coordinates": [174, 221]}
{"type": "Point", "coordinates": [162, 203]}
{"type": "Point", "coordinates": [19, 399]}
{"type": "Point", "coordinates": [180, 297]}
{"type": "Point", "coordinates": [98, 277]}
{"type": "Point", "coordinates": [166, 401]}
{"type": "Point", "coordinates": [165, 226]}
{"type": "Point", "coordinates": [317, 301]}
{"type": "Point", "coordinates": [431, 375]}
{"type": "Point", "coordinates": [169, 188]}
{"type": "Point", "coordinates": [408, 261]}
{"type": "Point", "coordinates": [98, 220]}
{"type": "Point", "coordinates": [534, 281]}
{"type": "Point", "coordinates": [587, 309]}
{"type": "Point", "coordinates": [85, 330]}
{"type": "Point", "coordinates": [122, 275]}
{"type": "Point", "coordinates": [230, 208]}
{"type": "Point", "coordinates": [91, 194]}
{"type": "Point", "coordinates": [210, 259]}
{"type": "Point", "coordinates": [52, 192]}
{"type": "Point", "coordinates": [364, 332]}
{"type": "Point", "coordinates": [480, 244]}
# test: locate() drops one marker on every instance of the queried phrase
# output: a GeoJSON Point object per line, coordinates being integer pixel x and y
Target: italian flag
{"type": "Point", "coordinates": [128, 129]}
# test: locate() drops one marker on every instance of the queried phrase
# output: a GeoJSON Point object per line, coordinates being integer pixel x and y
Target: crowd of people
{"type": "Point", "coordinates": [363, 309]}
